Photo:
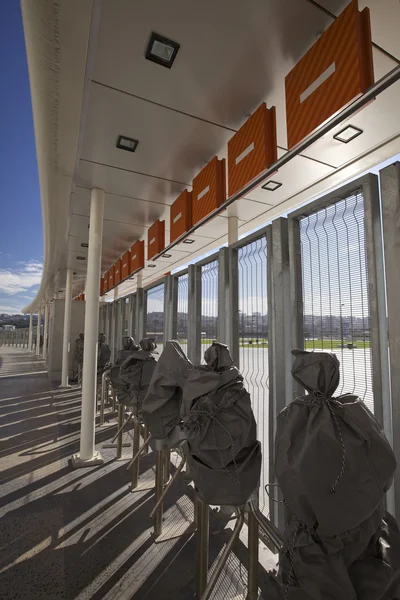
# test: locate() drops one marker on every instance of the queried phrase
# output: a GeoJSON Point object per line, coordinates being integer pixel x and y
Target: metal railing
{"type": "Point", "coordinates": [308, 281]}
{"type": "Point", "coordinates": [18, 337]}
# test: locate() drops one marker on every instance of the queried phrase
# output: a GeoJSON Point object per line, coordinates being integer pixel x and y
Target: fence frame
{"type": "Point", "coordinates": [174, 302]}
{"type": "Point", "coordinates": [390, 198]}
{"type": "Point", "coordinates": [215, 257]}
{"type": "Point", "coordinates": [369, 187]}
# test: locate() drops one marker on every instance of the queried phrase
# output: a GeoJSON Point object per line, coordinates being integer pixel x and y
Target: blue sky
{"type": "Point", "coordinates": [21, 245]}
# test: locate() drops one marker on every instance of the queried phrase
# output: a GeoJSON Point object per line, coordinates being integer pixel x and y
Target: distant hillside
{"type": "Point", "coordinates": [20, 321]}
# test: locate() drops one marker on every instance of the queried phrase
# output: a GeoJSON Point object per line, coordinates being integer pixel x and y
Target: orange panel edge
{"type": "Point", "coordinates": [155, 239]}
{"type": "Point", "coordinates": [252, 149]}
{"type": "Point", "coordinates": [336, 70]}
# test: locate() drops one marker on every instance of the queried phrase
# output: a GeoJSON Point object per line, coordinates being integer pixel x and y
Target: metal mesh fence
{"type": "Point", "coordinates": [335, 291]}
{"type": "Point", "coordinates": [15, 337]}
{"type": "Point", "coordinates": [132, 308]}
{"type": "Point", "coordinates": [155, 315]}
{"type": "Point", "coordinates": [209, 304]}
{"type": "Point", "coordinates": [253, 342]}
{"type": "Point", "coordinates": [108, 323]}
{"type": "Point", "coordinates": [182, 311]}
{"type": "Point", "coordinates": [125, 317]}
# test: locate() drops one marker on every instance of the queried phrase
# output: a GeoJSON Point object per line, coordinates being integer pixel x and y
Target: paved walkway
{"type": "Point", "coordinates": [76, 535]}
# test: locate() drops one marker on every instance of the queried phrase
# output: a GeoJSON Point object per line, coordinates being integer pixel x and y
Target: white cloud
{"type": "Point", "coordinates": [21, 279]}
{"type": "Point", "coordinates": [10, 310]}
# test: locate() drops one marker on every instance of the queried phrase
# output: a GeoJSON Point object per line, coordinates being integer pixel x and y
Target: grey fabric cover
{"type": "Point", "coordinates": [128, 347]}
{"type": "Point", "coordinates": [121, 388]}
{"type": "Point", "coordinates": [333, 465]}
{"type": "Point", "coordinates": [224, 454]}
{"type": "Point", "coordinates": [128, 343]}
{"type": "Point", "coordinates": [78, 356]}
{"type": "Point", "coordinates": [310, 458]}
{"type": "Point", "coordinates": [162, 404]}
{"type": "Point", "coordinates": [134, 378]}
{"type": "Point", "coordinates": [78, 349]}
{"type": "Point", "coordinates": [103, 354]}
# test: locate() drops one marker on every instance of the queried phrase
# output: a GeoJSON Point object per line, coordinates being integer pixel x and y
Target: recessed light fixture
{"type": "Point", "coordinates": [81, 257]}
{"type": "Point", "coordinates": [125, 143]}
{"type": "Point", "coordinates": [74, 272]}
{"type": "Point", "coordinates": [188, 241]}
{"type": "Point", "coordinates": [161, 50]}
{"type": "Point", "coordinates": [84, 245]}
{"type": "Point", "coordinates": [271, 185]}
{"type": "Point", "coordinates": [348, 134]}
{"type": "Point", "coordinates": [151, 266]}
{"type": "Point", "coordinates": [166, 255]}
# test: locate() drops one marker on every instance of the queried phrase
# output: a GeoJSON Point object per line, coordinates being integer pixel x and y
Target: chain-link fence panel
{"type": "Point", "coordinates": [209, 305]}
{"type": "Point", "coordinates": [335, 291]}
{"type": "Point", "coordinates": [182, 311]}
{"type": "Point", "coordinates": [253, 342]}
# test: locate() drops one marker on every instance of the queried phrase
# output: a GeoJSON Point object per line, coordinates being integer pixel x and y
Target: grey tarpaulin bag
{"type": "Point", "coordinates": [162, 405]}
{"type": "Point", "coordinates": [103, 352]}
{"type": "Point", "coordinates": [136, 373]}
{"type": "Point", "coordinates": [224, 454]}
{"type": "Point", "coordinates": [333, 461]}
{"type": "Point", "coordinates": [129, 347]}
{"type": "Point", "coordinates": [333, 464]}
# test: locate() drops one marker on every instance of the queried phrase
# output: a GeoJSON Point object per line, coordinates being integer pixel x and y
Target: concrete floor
{"type": "Point", "coordinates": [75, 535]}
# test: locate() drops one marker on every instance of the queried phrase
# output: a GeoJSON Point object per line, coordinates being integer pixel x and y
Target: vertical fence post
{"type": "Point", "coordinates": [120, 322]}
{"type": "Point", "coordinates": [296, 284]}
{"type": "Point", "coordinates": [390, 197]}
{"type": "Point", "coordinates": [113, 328]}
{"type": "Point", "coordinates": [194, 314]}
{"type": "Point", "coordinates": [170, 307]}
{"type": "Point", "coordinates": [223, 296]}
{"type": "Point", "coordinates": [228, 300]}
{"type": "Point", "coordinates": [279, 340]}
{"type": "Point", "coordinates": [129, 315]}
{"type": "Point", "coordinates": [140, 313]}
{"type": "Point", "coordinates": [133, 310]}
{"type": "Point", "coordinates": [377, 302]}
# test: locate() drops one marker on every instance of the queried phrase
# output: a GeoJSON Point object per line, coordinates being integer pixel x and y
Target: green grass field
{"type": "Point", "coordinates": [310, 344]}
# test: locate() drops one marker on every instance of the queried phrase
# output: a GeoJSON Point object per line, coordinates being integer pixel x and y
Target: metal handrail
{"type": "Point", "coordinates": [168, 486]}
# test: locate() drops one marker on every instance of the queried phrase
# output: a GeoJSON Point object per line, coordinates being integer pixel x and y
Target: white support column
{"type": "Point", "coordinates": [38, 332]}
{"type": "Point", "coordinates": [46, 327]}
{"type": "Point", "coordinates": [87, 455]}
{"type": "Point", "coordinates": [233, 230]}
{"type": "Point", "coordinates": [67, 330]}
{"type": "Point", "coordinates": [30, 338]}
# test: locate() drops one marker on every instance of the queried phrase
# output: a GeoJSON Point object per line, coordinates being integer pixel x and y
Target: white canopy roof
{"type": "Point", "coordinates": [90, 83]}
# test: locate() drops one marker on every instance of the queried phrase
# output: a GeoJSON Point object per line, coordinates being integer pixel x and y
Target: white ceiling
{"type": "Point", "coordinates": [233, 56]}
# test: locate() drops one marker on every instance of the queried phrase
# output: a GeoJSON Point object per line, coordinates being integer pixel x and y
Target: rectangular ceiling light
{"type": "Point", "coordinates": [271, 186]}
{"type": "Point", "coordinates": [188, 241]}
{"type": "Point", "coordinates": [166, 255]}
{"type": "Point", "coordinates": [348, 134]}
{"type": "Point", "coordinates": [161, 50]}
{"type": "Point", "coordinates": [125, 143]}
{"type": "Point", "coordinates": [151, 266]}
{"type": "Point", "coordinates": [81, 257]}
{"type": "Point", "coordinates": [84, 245]}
